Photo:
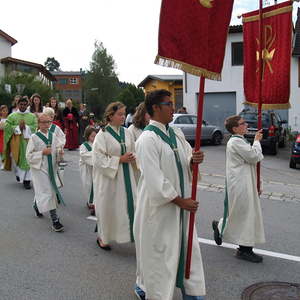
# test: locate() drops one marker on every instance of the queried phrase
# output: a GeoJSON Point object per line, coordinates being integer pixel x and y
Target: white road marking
{"type": "Point", "coordinates": [258, 251]}
{"type": "Point", "coordinates": [232, 246]}
{"type": "Point", "coordinates": [92, 218]}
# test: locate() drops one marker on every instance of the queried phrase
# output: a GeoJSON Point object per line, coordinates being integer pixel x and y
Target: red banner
{"type": "Point", "coordinates": [192, 35]}
{"type": "Point", "coordinates": [276, 56]}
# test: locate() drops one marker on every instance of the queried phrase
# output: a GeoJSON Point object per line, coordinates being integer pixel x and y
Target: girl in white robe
{"type": "Point", "coordinates": [114, 195]}
{"type": "Point", "coordinates": [140, 121]}
{"type": "Point", "coordinates": [86, 167]}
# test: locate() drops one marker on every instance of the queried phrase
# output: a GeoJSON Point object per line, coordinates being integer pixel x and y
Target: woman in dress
{"type": "Point", "coordinates": [71, 118]}
{"type": "Point", "coordinates": [36, 106]}
{"type": "Point", "coordinates": [58, 119]}
{"type": "Point", "coordinates": [114, 181]}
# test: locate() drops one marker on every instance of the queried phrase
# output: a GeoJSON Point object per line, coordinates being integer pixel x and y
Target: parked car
{"type": "Point", "coordinates": [188, 123]}
{"type": "Point", "coordinates": [295, 156]}
{"type": "Point", "coordinates": [274, 133]}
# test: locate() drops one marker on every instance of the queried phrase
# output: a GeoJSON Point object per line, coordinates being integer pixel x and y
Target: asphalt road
{"type": "Point", "coordinates": [38, 264]}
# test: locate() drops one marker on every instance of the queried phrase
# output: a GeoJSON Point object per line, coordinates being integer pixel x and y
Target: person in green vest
{"type": "Point", "coordinates": [42, 151]}
{"type": "Point", "coordinates": [114, 181]}
{"type": "Point", "coordinates": [86, 167]}
{"type": "Point", "coordinates": [242, 221]}
{"type": "Point", "coordinates": [19, 126]}
{"type": "Point", "coordinates": [165, 159]}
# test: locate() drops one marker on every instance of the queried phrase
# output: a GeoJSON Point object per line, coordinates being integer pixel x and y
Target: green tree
{"type": "Point", "coordinates": [51, 64]}
{"type": "Point", "coordinates": [31, 85]}
{"type": "Point", "coordinates": [101, 84]}
{"type": "Point", "coordinates": [130, 95]}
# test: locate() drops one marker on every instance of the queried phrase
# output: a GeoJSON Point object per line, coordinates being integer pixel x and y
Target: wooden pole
{"type": "Point", "coordinates": [195, 176]}
{"type": "Point", "coordinates": [260, 64]}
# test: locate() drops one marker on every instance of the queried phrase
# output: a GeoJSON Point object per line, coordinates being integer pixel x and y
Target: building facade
{"type": "Point", "coordinates": [226, 97]}
{"type": "Point", "coordinates": [6, 42]}
{"type": "Point", "coordinates": [69, 85]}
{"type": "Point", "coordinates": [171, 83]}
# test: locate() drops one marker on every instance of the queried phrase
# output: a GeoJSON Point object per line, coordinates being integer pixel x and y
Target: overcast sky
{"type": "Point", "coordinates": [67, 29]}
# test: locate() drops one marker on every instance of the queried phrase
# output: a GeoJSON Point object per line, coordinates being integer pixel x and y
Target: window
{"type": "Point", "coordinates": [73, 81]}
{"type": "Point", "coordinates": [237, 54]}
{"type": "Point", "coordinates": [183, 120]}
{"type": "Point", "coordinates": [63, 81]}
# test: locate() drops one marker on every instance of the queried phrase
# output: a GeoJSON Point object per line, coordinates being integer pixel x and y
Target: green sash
{"type": "Point", "coordinates": [52, 128]}
{"type": "Point", "coordinates": [130, 207]}
{"type": "Point", "coordinates": [171, 141]}
{"type": "Point", "coordinates": [91, 199]}
{"type": "Point", "coordinates": [48, 142]}
{"type": "Point", "coordinates": [225, 214]}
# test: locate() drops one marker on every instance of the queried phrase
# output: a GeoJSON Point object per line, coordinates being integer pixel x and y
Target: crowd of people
{"type": "Point", "coordinates": [137, 181]}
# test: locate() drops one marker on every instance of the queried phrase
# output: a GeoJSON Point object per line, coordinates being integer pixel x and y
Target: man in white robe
{"type": "Point", "coordinates": [242, 223]}
{"type": "Point", "coordinates": [162, 212]}
{"type": "Point", "coordinates": [42, 149]}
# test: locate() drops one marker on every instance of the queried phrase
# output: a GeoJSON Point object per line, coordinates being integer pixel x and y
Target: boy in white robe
{"type": "Point", "coordinates": [41, 153]}
{"type": "Point", "coordinates": [86, 167]}
{"type": "Point", "coordinates": [242, 223]}
{"type": "Point", "coordinates": [163, 206]}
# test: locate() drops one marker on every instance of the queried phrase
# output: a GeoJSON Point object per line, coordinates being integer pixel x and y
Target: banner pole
{"type": "Point", "coordinates": [195, 176]}
{"type": "Point", "coordinates": [260, 63]}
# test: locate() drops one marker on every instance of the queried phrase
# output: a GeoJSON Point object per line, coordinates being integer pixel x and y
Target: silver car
{"type": "Point", "coordinates": [188, 123]}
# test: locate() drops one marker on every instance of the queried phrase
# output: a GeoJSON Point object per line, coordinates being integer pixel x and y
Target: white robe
{"type": "Point", "coordinates": [136, 132]}
{"type": "Point", "coordinates": [60, 136]}
{"type": "Point", "coordinates": [109, 187]}
{"type": "Point", "coordinates": [157, 227]}
{"type": "Point", "coordinates": [86, 170]}
{"type": "Point", "coordinates": [44, 195]}
{"type": "Point", "coordinates": [244, 225]}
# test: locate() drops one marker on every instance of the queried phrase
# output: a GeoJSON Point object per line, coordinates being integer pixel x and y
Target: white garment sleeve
{"type": "Point", "coordinates": [34, 158]}
{"type": "Point", "coordinates": [159, 188]}
{"type": "Point", "coordinates": [250, 154]}
{"type": "Point", "coordinates": [107, 164]}
{"type": "Point", "coordinates": [85, 155]}
{"type": "Point", "coordinates": [61, 137]}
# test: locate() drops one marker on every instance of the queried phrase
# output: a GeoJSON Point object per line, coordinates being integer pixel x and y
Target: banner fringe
{"type": "Point", "coordinates": [270, 106]}
{"type": "Point", "coordinates": [172, 63]}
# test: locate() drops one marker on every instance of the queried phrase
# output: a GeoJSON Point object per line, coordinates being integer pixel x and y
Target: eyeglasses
{"type": "Point", "coordinates": [166, 103]}
{"type": "Point", "coordinates": [242, 123]}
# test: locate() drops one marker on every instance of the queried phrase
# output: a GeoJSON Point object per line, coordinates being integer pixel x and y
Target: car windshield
{"type": "Point", "coordinates": [251, 119]}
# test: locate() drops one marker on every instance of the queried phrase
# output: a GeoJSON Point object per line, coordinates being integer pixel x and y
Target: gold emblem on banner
{"type": "Point", "coordinates": [267, 52]}
{"type": "Point", "coordinates": [206, 3]}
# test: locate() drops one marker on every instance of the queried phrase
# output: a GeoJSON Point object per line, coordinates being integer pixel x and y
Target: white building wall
{"type": "Point", "coordinates": [232, 81]}
{"type": "Point", "coordinates": [5, 50]}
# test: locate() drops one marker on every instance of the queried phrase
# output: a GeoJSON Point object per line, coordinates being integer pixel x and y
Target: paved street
{"type": "Point", "coordinates": [38, 264]}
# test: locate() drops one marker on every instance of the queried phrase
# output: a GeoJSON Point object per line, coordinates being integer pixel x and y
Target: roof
{"type": "Point", "coordinates": [235, 28]}
{"type": "Point", "coordinates": [162, 78]}
{"type": "Point", "coordinates": [41, 68]}
{"type": "Point", "coordinates": [67, 73]}
{"type": "Point", "coordinates": [296, 49]}
{"type": "Point", "coordinates": [8, 37]}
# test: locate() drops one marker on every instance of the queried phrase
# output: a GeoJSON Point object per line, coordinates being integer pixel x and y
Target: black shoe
{"type": "Point", "coordinates": [249, 256]}
{"type": "Point", "coordinates": [57, 226]}
{"type": "Point", "coordinates": [18, 178]}
{"type": "Point", "coordinates": [37, 212]}
{"type": "Point", "coordinates": [106, 248]}
{"type": "Point", "coordinates": [217, 236]}
{"type": "Point", "coordinates": [26, 184]}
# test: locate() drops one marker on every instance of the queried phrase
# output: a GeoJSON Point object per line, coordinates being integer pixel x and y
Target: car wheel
{"type": "Point", "coordinates": [274, 148]}
{"type": "Point", "coordinates": [217, 138]}
{"type": "Point", "coordinates": [292, 164]}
